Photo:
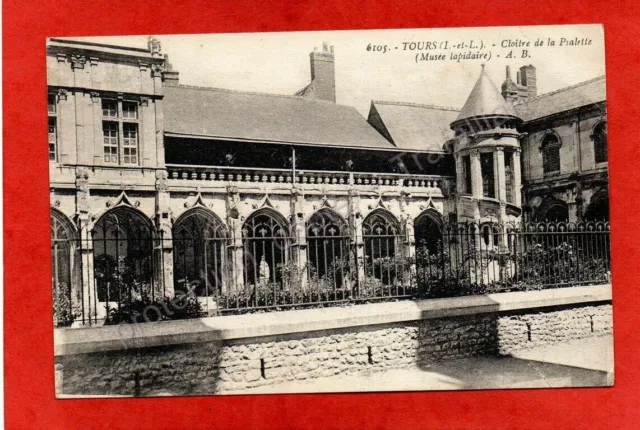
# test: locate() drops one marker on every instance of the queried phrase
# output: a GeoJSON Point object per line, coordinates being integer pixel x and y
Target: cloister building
{"type": "Point", "coordinates": [175, 186]}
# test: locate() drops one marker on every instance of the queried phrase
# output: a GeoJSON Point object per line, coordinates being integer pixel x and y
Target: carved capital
{"type": "Point", "coordinates": [77, 61]}
{"type": "Point", "coordinates": [161, 181]}
{"type": "Point", "coordinates": [95, 96]}
{"type": "Point", "coordinates": [474, 153]}
{"type": "Point", "coordinates": [156, 70]}
{"type": "Point", "coordinates": [62, 94]}
{"type": "Point", "coordinates": [499, 148]}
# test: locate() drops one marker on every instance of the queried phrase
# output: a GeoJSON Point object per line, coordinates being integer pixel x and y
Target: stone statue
{"type": "Point", "coordinates": [263, 271]}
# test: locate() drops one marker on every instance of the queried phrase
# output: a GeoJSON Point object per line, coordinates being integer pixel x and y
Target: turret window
{"type": "Point", "coordinates": [466, 166]}
{"type": "Point", "coordinates": [488, 179]}
{"type": "Point", "coordinates": [600, 142]}
{"type": "Point", "coordinates": [551, 154]}
{"type": "Point", "coordinates": [509, 176]}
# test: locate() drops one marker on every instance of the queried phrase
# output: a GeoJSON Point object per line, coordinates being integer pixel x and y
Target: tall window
{"type": "Point", "coordinates": [509, 179]}
{"type": "Point", "coordinates": [328, 247]}
{"type": "Point", "coordinates": [382, 240]}
{"type": "Point", "coordinates": [64, 265]}
{"type": "Point", "coordinates": [53, 135]}
{"type": "Point", "coordinates": [120, 132]}
{"type": "Point", "coordinates": [600, 142]}
{"type": "Point", "coordinates": [488, 180]}
{"type": "Point", "coordinates": [266, 241]}
{"type": "Point", "coordinates": [466, 166]}
{"type": "Point", "coordinates": [551, 154]}
{"type": "Point", "coordinates": [199, 257]}
{"type": "Point", "coordinates": [123, 258]}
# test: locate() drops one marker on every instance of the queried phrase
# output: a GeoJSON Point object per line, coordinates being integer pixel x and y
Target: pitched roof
{"type": "Point", "coordinates": [485, 99]}
{"type": "Point", "coordinates": [413, 126]}
{"type": "Point", "coordinates": [564, 99]}
{"type": "Point", "coordinates": [224, 114]}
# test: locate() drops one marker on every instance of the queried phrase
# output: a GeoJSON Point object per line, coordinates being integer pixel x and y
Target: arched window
{"type": "Point", "coordinates": [428, 232]}
{"type": "Point", "coordinates": [598, 209]}
{"type": "Point", "coordinates": [67, 294]}
{"type": "Point", "coordinates": [266, 239]}
{"type": "Point", "coordinates": [382, 244]}
{"type": "Point", "coordinates": [199, 258]}
{"type": "Point", "coordinates": [491, 235]}
{"type": "Point", "coordinates": [600, 142]}
{"type": "Point", "coordinates": [123, 258]}
{"type": "Point", "coordinates": [551, 153]}
{"type": "Point", "coordinates": [553, 210]}
{"type": "Point", "coordinates": [328, 247]}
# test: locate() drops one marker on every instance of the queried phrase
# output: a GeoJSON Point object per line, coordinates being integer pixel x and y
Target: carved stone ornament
{"type": "Point", "coordinates": [197, 201]}
{"type": "Point", "coordinates": [78, 61]}
{"type": "Point", "coordinates": [95, 96]}
{"type": "Point", "coordinates": [123, 200]}
{"type": "Point", "coordinates": [62, 94]}
{"type": "Point", "coordinates": [161, 181]}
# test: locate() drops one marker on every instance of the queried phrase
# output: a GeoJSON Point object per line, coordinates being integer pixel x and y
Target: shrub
{"type": "Point", "coordinates": [63, 313]}
{"type": "Point", "coordinates": [144, 309]}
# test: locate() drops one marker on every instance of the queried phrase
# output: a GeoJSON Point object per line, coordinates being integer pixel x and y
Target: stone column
{"type": "Point", "coordinates": [236, 265]}
{"type": "Point", "coordinates": [299, 247]}
{"type": "Point", "coordinates": [476, 175]}
{"type": "Point", "coordinates": [89, 299]}
{"type": "Point", "coordinates": [517, 179]}
{"type": "Point", "coordinates": [355, 226]}
{"type": "Point", "coordinates": [499, 172]}
{"type": "Point", "coordinates": [460, 174]}
{"type": "Point", "coordinates": [86, 245]}
{"type": "Point", "coordinates": [164, 276]}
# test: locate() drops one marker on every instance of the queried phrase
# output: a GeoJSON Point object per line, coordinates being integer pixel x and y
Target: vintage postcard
{"type": "Point", "coordinates": [389, 210]}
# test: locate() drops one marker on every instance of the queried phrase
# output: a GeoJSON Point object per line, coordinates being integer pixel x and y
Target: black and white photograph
{"type": "Point", "coordinates": [329, 211]}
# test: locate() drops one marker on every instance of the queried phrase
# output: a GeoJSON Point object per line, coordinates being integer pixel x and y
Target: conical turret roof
{"type": "Point", "coordinates": [485, 100]}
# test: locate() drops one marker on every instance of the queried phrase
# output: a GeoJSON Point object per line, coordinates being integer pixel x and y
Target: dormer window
{"type": "Point", "coordinates": [551, 154]}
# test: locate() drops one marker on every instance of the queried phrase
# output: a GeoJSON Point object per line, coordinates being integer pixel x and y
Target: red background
{"type": "Point", "coordinates": [29, 399]}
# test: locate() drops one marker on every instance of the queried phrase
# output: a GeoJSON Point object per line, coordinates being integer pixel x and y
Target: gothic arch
{"type": "Point", "coordinates": [383, 246]}
{"type": "Point", "coordinates": [428, 230]}
{"type": "Point", "coordinates": [123, 251]}
{"type": "Point", "coordinates": [599, 138]}
{"type": "Point", "coordinates": [550, 146]}
{"type": "Point", "coordinates": [328, 246]}
{"type": "Point", "coordinates": [65, 269]}
{"type": "Point", "coordinates": [380, 222]}
{"type": "Point", "coordinates": [552, 209]}
{"type": "Point", "coordinates": [598, 209]}
{"type": "Point", "coordinates": [266, 238]}
{"type": "Point", "coordinates": [326, 222]}
{"type": "Point", "coordinates": [200, 258]}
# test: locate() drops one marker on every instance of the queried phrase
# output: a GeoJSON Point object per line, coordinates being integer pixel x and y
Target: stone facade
{"type": "Point", "coordinates": [228, 366]}
{"type": "Point", "coordinates": [104, 97]}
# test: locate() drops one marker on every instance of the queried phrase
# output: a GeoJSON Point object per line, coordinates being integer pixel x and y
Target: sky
{"type": "Point", "coordinates": [279, 62]}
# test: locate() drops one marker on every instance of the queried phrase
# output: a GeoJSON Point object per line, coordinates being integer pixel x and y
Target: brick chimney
{"type": "Point", "coordinates": [323, 74]}
{"type": "Point", "coordinates": [528, 79]}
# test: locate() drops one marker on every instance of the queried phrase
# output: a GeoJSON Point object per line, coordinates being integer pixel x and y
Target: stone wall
{"type": "Point", "coordinates": [229, 365]}
{"type": "Point", "coordinates": [525, 330]}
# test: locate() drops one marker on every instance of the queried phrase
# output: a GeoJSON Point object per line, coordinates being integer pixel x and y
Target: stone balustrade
{"type": "Point", "coordinates": [284, 176]}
